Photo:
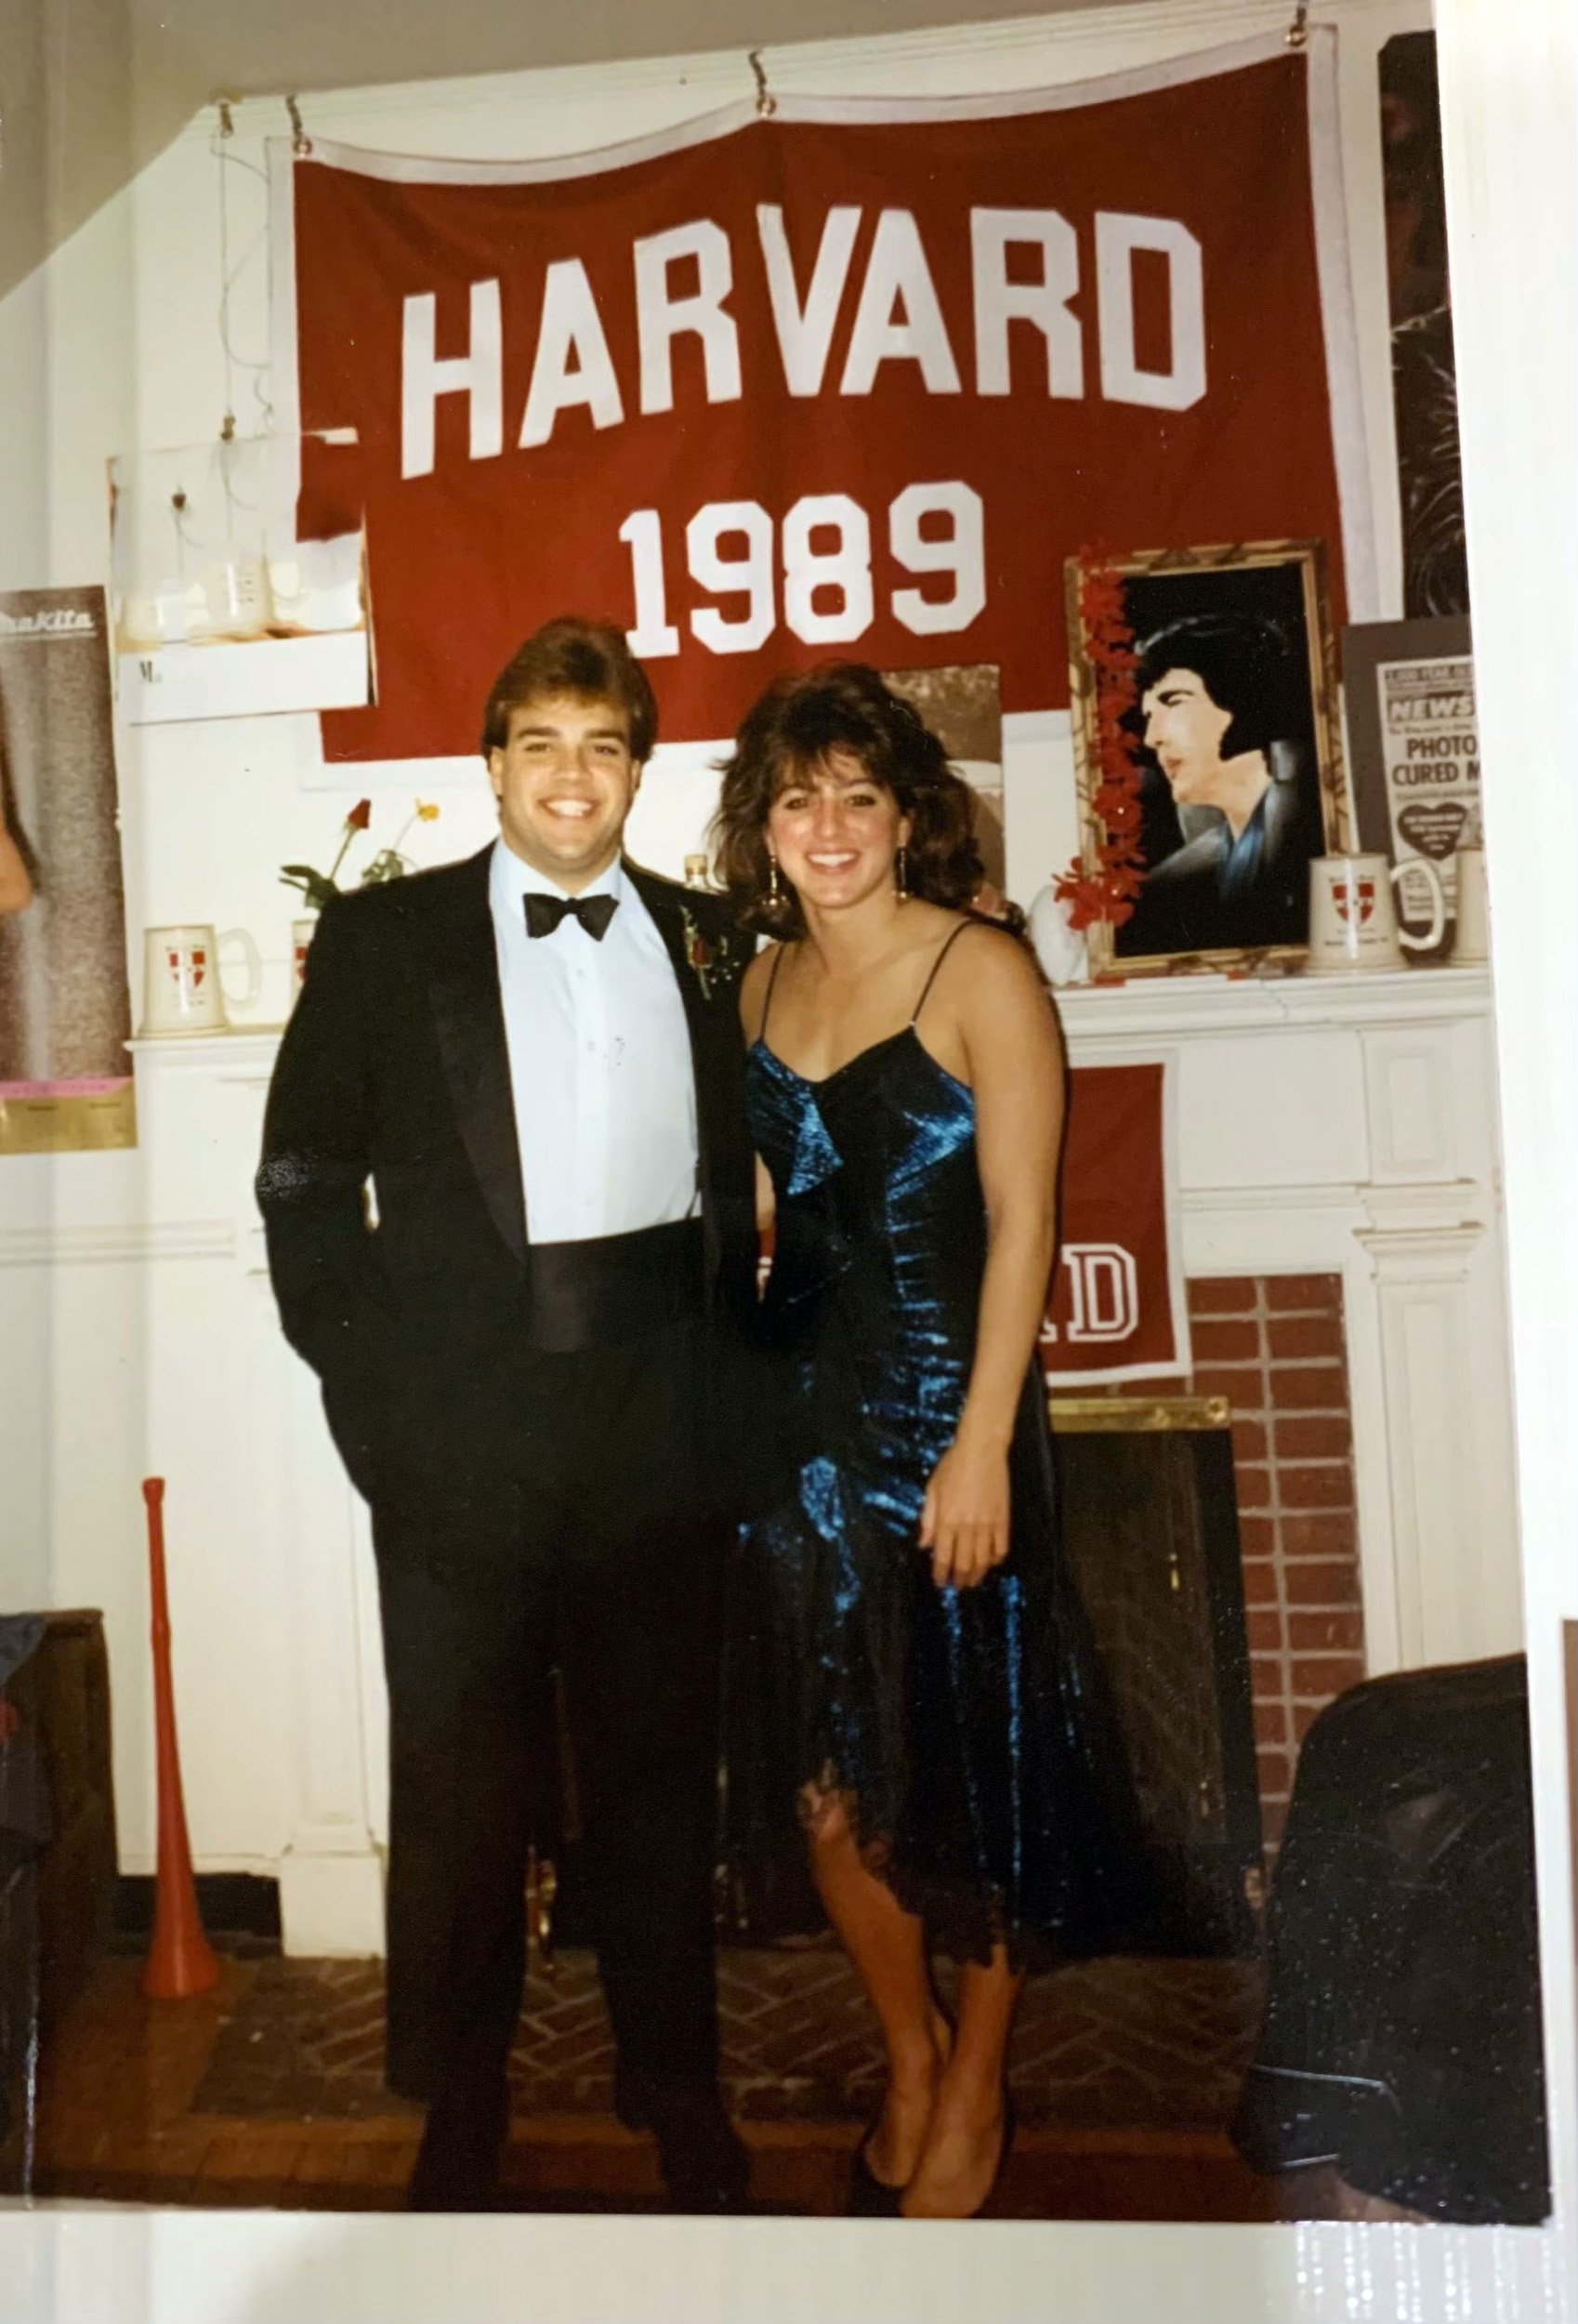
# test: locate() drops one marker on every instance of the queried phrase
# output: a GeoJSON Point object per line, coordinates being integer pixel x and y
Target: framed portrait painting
{"type": "Point", "coordinates": [1207, 745]}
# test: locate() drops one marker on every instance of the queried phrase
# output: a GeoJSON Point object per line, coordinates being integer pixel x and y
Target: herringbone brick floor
{"type": "Point", "coordinates": [263, 2093]}
{"type": "Point", "coordinates": [1118, 2043]}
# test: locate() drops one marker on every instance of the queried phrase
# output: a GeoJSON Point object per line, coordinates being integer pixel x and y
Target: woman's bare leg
{"type": "Point", "coordinates": [888, 1948]}
{"type": "Point", "coordinates": [963, 2142]}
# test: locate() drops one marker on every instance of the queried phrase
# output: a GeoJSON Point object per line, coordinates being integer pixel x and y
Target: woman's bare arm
{"type": "Point", "coordinates": [1016, 1068]}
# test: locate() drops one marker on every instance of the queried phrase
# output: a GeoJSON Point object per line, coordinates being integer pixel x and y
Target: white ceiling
{"type": "Point", "coordinates": [91, 90]}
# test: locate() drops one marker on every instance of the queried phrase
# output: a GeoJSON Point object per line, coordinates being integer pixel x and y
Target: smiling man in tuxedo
{"type": "Point", "coordinates": [534, 1057]}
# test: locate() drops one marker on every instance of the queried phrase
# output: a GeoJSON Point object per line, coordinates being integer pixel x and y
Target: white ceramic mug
{"type": "Point", "coordinates": [182, 985]}
{"type": "Point", "coordinates": [1471, 944]}
{"type": "Point", "coordinates": [1353, 924]}
{"type": "Point", "coordinates": [300, 937]}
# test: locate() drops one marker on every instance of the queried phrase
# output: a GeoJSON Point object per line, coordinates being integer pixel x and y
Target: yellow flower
{"type": "Point", "coordinates": [427, 811]}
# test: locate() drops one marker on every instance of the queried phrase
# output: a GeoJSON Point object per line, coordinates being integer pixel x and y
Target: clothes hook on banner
{"type": "Point", "coordinates": [1299, 31]}
{"type": "Point", "coordinates": [221, 154]}
{"type": "Point", "coordinates": [300, 144]}
{"type": "Point", "coordinates": [221, 145]}
{"type": "Point", "coordinates": [766, 102]}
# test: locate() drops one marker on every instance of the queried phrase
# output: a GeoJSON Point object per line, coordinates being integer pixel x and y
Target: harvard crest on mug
{"type": "Point", "coordinates": [1352, 922]}
{"type": "Point", "coordinates": [182, 989]}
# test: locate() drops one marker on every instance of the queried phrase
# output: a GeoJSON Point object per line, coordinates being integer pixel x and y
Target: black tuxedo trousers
{"type": "Point", "coordinates": [590, 1589]}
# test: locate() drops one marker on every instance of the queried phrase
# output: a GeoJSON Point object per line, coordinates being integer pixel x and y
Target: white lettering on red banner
{"type": "Point", "coordinates": [814, 385]}
{"type": "Point", "coordinates": [1103, 1294]}
{"type": "Point", "coordinates": [898, 318]}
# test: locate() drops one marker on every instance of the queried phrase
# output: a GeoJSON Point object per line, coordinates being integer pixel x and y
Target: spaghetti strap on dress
{"type": "Point", "coordinates": [777, 962]}
{"type": "Point", "coordinates": [943, 949]}
{"type": "Point", "coordinates": [965, 1731]}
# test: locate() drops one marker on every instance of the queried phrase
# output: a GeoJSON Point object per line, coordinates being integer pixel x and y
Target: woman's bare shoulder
{"type": "Point", "coordinates": [992, 983]}
{"type": "Point", "coordinates": [983, 956]}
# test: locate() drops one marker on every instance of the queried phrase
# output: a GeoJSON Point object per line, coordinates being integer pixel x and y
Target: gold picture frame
{"type": "Point", "coordinates": [1274, 591]}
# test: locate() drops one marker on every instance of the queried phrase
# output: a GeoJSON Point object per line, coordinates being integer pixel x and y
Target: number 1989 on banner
{"type": "Point", "coordinates": [824, 561]}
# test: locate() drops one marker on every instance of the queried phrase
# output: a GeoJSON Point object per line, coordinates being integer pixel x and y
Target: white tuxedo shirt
{"type": "Point", "coordinates": [599, 1064]}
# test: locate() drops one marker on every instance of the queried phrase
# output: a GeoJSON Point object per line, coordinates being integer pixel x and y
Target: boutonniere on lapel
{"type": "Point", "coordinates": [710, 959]}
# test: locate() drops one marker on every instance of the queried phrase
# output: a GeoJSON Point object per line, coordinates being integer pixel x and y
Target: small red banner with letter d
{"type": "Point", "coordinates": [1117, 1309]}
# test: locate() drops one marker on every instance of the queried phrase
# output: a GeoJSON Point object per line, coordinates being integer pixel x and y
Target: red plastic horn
{"type": "Point", "coordinates": [181, 1959]}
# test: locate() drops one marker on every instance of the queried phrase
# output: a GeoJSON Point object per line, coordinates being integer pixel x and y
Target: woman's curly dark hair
{"type": "Point", "coordinates": [841, 705]}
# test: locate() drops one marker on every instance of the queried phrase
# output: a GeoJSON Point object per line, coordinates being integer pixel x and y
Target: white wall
{"type": "Point", "coordinates": [114, 347]}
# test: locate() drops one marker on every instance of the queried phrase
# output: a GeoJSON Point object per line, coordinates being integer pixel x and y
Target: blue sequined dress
{"type": "Point", "coordinates": [965, 1730]}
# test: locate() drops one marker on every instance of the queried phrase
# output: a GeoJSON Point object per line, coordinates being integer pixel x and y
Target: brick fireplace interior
{"type": "Point", "coordinates": [1273, 1346]}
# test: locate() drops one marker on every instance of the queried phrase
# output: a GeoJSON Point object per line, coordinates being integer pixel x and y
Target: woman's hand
{"type": "Point", "coordinates": [965, 1516]}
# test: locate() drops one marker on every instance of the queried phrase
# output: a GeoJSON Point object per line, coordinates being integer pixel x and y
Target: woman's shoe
{"type": "Point", "coordinates": [870, 2197]}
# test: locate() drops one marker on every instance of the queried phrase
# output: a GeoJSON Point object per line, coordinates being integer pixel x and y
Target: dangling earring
{"type": "Point", "coordinates": [774, 892]}
{"type": "Point", "coordinates": [901, 875]}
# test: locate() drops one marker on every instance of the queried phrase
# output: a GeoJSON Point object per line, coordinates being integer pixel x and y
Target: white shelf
{"type": "Point", "coordinates": [169, 685]}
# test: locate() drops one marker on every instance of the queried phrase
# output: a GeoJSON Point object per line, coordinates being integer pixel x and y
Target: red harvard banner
{"type": "Point", "coordinates": [1118, 1310]}
{"type": "Point", "coordinates": [854, 380]}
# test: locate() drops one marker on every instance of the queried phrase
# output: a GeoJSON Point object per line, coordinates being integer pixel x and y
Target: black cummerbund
{"type": "Point", "coordinates": [615, 1287]}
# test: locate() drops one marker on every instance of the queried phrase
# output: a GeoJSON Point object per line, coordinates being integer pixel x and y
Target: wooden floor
{"type": "Point", "coordinates": [114, 2121]}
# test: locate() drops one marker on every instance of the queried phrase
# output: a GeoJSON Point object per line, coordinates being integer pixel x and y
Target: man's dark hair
{"type": "Point", "coordinates": [1245, 667]}
{"type": "Point", "coordinates": [589, 660]}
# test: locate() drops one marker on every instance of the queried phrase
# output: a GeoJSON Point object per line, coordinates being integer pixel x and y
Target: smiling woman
{"type": "Point", "coordinates": [825, 761]}
{"type": "Point", "coordinates": [912, 1711]}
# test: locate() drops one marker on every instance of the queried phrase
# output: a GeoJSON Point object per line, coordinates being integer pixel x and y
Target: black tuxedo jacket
{"type": "Point", "coordinates": [394, 1069]}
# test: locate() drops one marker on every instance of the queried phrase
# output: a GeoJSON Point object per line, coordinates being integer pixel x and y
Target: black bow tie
{"type": "Point", "coordinates": [545, 913]}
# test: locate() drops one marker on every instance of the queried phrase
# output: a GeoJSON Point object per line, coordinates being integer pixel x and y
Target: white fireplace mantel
{"type": "Point", "coordinates": [1329, 1125]}
{"type": "Point", "coordinates": [1145, 1006]}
